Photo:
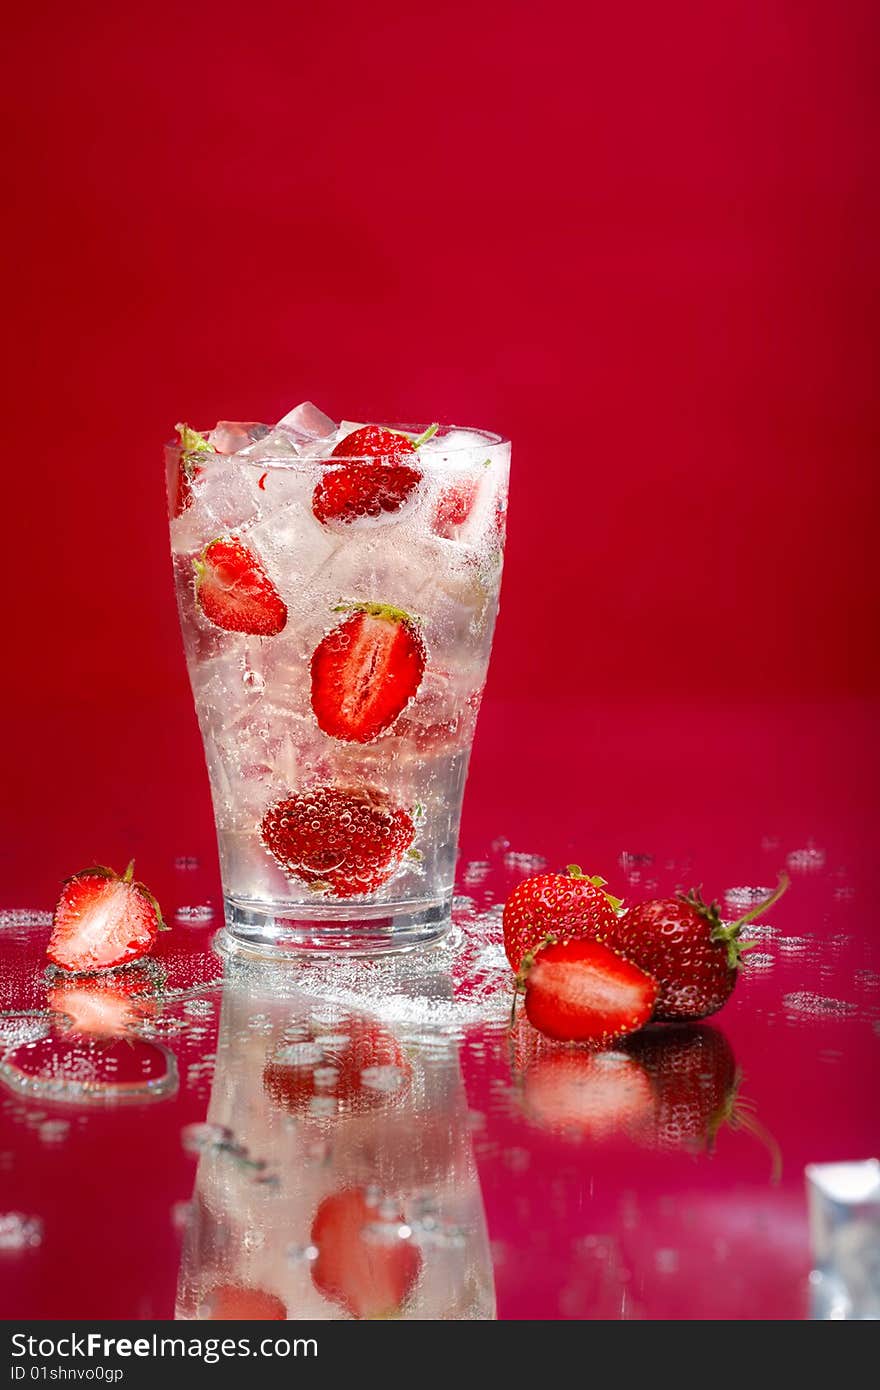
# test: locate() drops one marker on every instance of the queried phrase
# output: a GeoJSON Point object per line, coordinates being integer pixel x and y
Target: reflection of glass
{"type": "Point", "coordinates": [336, 1176]}
{"type": "Point", "coordinates": [844, 1202]}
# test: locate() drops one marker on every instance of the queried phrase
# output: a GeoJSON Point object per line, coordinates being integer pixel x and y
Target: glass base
{"type": "Point", "coordinates": [263, 930]}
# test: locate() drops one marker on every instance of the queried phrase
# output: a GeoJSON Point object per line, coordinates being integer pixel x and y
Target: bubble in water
{"type": "Point", "coordinates": [302, 1254]}
{"type": "Point", "coordinates": [253, 680]}
{"type": "Point", "coordinates": [24, 917]}
{"type": "Point", "coordinates": [803, 1002]}
{"type": "Point", "coordinates": [18, 1232]}
{"type": "Point", "coordinates": [806, 860]}
{"type": "Point", "coordinates": [383, 1078]}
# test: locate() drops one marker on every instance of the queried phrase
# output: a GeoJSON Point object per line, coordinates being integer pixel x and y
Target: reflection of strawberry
{"type": "Point", "coordinates": [366, 671]}
{"type": "Point", "coordinates": [381, 473]}
{"type": "Point", "coordinates": [579, 991]}
{"type": "Point", "coordinates": [687, 948]}
{"type": "Point", "coordinates": [238, 1303]}
{"type": "Point", "coordinates": [235, 592]}
{"type": "Point", "coordinates": [564, 905]}
{"type": "Point", "coordinates": [102, 920]}
{"type": "Point", "coordinates": [347, 840]}
{"type": "Point", "coordinates": [587, 1094]}
{"type": "Point", "coordinates": [103, 1006]}
{"type": "Point", "coordinates": [369, 1273]}
{"type": "Point", "coordinates": [351, 1065]}
{"type": "Point", "coordinates": [694, 1076]}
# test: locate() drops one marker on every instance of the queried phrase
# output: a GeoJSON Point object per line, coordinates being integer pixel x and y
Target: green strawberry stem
{"type": "Point", "coordinates": [525, 965]}
{"type": "Point", "coordinates": [423, 438]}
{"type": "Point", "coordinates": [575, 871]}
{"type": "Point", "coordinates": [729, 934]}
{"type": "Point", "coordinates": [378, 610]}
{"type": "Point", "coordinates": [191, 442]}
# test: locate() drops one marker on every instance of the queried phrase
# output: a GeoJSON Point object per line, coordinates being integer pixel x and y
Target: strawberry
{"type": "Point", "coordinates": [454, 507]}
{"type": "Point", "coordinates": [238, 1303]}
{"type": "Point", "coordinates": [102, 920]}
{"type": "Point", "coordinates": [345, 840]}
{"type": "Point", "coordinates": [381, 474]}
{"type": "Point", "coordinates": [192, 444]}
{"type": "Point", "coordinates": [353, 1066]}
{"type": "Point", "coordinates": [579, 991]}
{"type": "Point", "coordinates": [369, 1273]}
{"type": "Point", "coordinates": [234, 591]}
{"type": "Point", "coordinates": [695, 1079]}
{"type": "Point", "coordinates": [366, 671]}
{"type": "Point", "coordinates": [569, 905]}
{"type": "Point", "coordinates": [683, 943]}
{"type": "Point", "coordinates": [103, 1006]}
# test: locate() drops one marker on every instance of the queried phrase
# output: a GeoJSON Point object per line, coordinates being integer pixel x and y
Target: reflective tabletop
{"type": "Point", "coordinates": [214, 1137]}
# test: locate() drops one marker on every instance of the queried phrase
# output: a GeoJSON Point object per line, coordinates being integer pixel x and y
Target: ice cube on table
{"type": "Point", "coordinates": [231, 436]}
{"type": "Point", "coordinates": [308, 421]}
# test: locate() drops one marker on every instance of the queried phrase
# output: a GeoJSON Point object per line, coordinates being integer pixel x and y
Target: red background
{"type": "Point", "coordinates": [638, 239]}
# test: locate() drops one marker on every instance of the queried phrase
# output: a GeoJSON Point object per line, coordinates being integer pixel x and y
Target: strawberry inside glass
{"type": "Point", "coordinates": [337, 586]}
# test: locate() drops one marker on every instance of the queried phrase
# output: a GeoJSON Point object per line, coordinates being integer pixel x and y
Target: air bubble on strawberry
{"type": "Point", "coordinates": [193, 446]}
{"type": "Point", "coordinates": [345, 841]}
{"type": "Point", "coordinates": [366, 670]}
{"type": "Point", "coordinates": [235, 593]}
{"type": "Point", "coordinates": [371, 472]}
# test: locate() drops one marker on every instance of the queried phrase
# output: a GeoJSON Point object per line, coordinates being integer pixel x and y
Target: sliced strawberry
{"type": "Point", "coordinates": [366, 671]}
{"type": "Point", "coordinates": [363, 1264]}
{"type": "Point", "coordinates": [102, 920]}
{"type": "Point", "coordinates": [238, 1303]}
{"type": "Point", "coordinates": [382, 473]}
{"type": "Point", "coordinates": [579, 991]}
{"type": "Point", "coordinates": [103, 1010]}
{"type": "Point", "coordinates": [234, 591]}
{"type": "Point", "coordinates": [454, 507]}
{"type": "Point", "coordinates": [352, 1067]}
{"type": "Point", "coordinates": [345, 840]}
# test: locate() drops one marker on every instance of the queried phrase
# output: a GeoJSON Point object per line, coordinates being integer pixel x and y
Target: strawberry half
{"type": "Point", "coordinates": [382, 473]}
{"type": "Point", "coordinates": [346, 840]}
{"type": "Point", "coordinates": [235, 592]}
{"type": "Point", "coordinates": [369, 1273]}
{"type": "Point", "coordinates": [579, 991]}
{"type": "Point", "coordinates": [454, 507]}
{"type": "Point", "coordinates": [103, 919]}
{"type": "Point", "coordinates": [366, 671]}
{"type": "Point", "coordinates": [562, 905]}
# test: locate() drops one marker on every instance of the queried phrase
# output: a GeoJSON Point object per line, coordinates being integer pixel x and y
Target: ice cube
{"type": "Point", "coordinates": [289, 539]}
{"type": "Point", "coordinates": [308, 421]}
{"type": "Point", "coordinates": [229, 436]}
{"type": "Point", "coordinates": [225, 497]}
{"type": "Point", "coordinates": [277, 446]}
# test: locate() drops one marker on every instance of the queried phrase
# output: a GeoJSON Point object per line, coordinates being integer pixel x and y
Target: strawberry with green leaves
{"type": "Point", "coordinates": [683, 943]}
{"type": "Point", "coordinates": [235, 593]}
{"type": "Point", "coordinates": [103, 919]}
{"type": "Point", "coordinates": [563, 905]}
{"type": "Point", "coordinates": [371, 471]}
{"type": "Point", "coordinates": [193, 446]}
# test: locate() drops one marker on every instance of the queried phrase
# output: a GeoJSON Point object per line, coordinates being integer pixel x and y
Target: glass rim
{"type": "Point", "coordinates": [488, 439]}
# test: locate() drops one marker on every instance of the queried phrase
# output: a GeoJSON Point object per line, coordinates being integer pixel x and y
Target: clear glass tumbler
{"type": "Point", "coordinates": [337, 613]}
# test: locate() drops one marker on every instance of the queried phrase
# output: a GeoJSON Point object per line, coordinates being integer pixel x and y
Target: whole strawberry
{"type": "Point", "coordinates": [366, 671]}
{"type": "Point", "coordinates": [684, 945]}
{"type": "Point", "coordinates": [563, 905]}
{"type": "Point", "coordinates": [347, 841]}
{"type": "Point", "coordinates": [371, 471]}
